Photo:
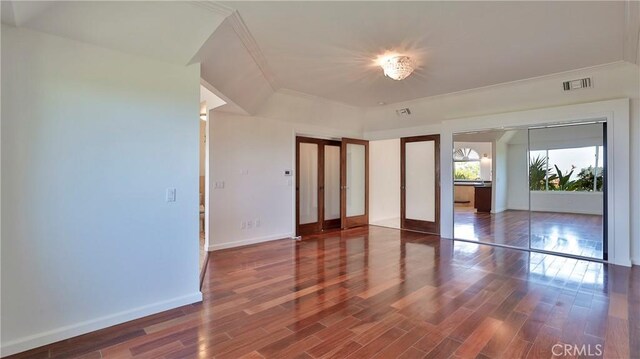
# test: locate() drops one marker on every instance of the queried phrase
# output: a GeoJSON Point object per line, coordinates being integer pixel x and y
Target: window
{"type": "Point", "coordinates": [466, 164]}
{"type": "Point", "coordinates": [566, 169]}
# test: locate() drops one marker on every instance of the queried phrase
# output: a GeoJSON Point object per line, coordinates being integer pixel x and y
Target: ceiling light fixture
{"type": "Point", "coordinates": [396, 67]}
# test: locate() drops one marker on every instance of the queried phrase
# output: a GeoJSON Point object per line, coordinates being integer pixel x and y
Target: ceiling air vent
{"type": "Point", "coordinates": [403, 112]}
{"type": "Point", "coordinates": [577, 84]}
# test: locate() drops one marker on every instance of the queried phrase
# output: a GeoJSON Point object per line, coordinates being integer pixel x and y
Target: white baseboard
{"type": "Point", "coordinates": [246, 242]}
{"type": "Point", "coordinates": [517, 208]}
{"type": "Point", "coordinates": [73, 330]}
{"type": "Point", "coordinates": [383, 219]}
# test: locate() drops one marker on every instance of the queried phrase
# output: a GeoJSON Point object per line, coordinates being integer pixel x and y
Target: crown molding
{"type": "Point", "coordinates": [631, 40]}
{"type": "Point", "coordinates": [252, 47]}
{"type": "Point", "coordinates": [214, 7]}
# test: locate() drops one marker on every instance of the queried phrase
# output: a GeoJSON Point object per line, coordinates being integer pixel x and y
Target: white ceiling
{"type": "Point", "coordinates": [327, 48]}
{"type": "Point", "coordinates": [170, 31]}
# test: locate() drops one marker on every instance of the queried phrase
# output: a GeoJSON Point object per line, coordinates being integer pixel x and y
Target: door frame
{"type": "Point", "coordinates": [321, 224]}
{"type": "Point", "coordinates": [413, 224]}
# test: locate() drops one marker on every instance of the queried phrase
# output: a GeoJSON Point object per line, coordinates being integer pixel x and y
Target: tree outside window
{"type": "Point", "coordinates": [567, 169]}
{"type": "Point", "coordinates": [466, 164]}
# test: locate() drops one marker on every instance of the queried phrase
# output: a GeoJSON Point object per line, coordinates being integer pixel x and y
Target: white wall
{"type": "Point", "coordinates": [500, 178]}
{"type": "Point", "coordinates": [91, 139]}
{"type": "Point", "coordinates": [567, 202]}
{"type": "Point", "coordinates": [202, 156]}
{"type": "Point", "coordinates": [250, 154]}
{"type": "Point", "coordinates": [566, 137]}
{"type": "Point", "coordinates": [517, 179]}
{"type": "Point", "coordinates": [384, 180]}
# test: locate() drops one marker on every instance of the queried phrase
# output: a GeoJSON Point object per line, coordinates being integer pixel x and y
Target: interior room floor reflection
{"type": "Point", "coordinates": [577, 234]}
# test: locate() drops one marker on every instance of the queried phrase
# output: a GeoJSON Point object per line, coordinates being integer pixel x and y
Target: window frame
{"type": "Point", "coordinates": [468, 160]}
{"type": "Point", "coordinates": [597, 160]}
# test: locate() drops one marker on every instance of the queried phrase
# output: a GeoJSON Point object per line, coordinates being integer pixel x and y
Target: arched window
{"type": "Point", "coordinates": [466, 164]}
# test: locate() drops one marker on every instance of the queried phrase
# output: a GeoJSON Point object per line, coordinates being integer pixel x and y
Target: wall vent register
{"type": "Point", "coordinates": [403, 112]}
{"type": "Point", "coordinates": [577, 84]}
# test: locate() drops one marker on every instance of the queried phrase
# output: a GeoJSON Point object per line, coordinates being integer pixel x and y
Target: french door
{"type": "Point", "coordinates": [354, 182]}
{"type": "Point", "coordinates": [420, 183]}
{"type": "Point", "coordinates": [317, 185]}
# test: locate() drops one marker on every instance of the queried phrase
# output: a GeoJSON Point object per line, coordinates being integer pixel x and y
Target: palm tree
{"type": "Point", "coordinates": [564, 182]}
{"type": "Point", "coordinates": [538, 174]}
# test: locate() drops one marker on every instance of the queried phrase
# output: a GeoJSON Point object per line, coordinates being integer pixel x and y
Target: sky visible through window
{"type": "Point", "coordinates": [575, 159]}
{"type": "Point", "coordinates": [565, 158]}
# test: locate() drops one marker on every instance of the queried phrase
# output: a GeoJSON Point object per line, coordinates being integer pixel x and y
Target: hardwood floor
{"type": "Point", "coordinates": [384, 293]}
{"type": "Point", "coordinates": [567, 233]}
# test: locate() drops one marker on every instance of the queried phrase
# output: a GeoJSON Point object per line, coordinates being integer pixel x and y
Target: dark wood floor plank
{"type": "Point", "coordinates": [398, 347]}
{"type": "Point", "coordinates": [472, 346]}
{"type": "Point", "coordinates": [501, 339]}
{"type": "Point", "coordinates": [374, 346]}
{"type": "Point", "coordinates": [445, 349]}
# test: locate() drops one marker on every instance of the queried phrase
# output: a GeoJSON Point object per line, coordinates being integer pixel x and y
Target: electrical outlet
{"type": "Point", "coordinates": [257, 222]}
{"type": "Point", "coordinates": [171, 195]}
{"type": "Point", "coordinates": [249, 224]}
{"type": "Point", "coordinates": [243, 225]}
{"type": "Point", "coordinates": [219, 184]}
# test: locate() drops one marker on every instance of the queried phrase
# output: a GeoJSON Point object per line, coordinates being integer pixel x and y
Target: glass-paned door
{"type": "Point", "coordinates": [420, 183]}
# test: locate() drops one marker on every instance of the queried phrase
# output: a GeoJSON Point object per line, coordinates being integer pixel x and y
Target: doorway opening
{"type": "Point", "coordinates": [208, 102]}
{"type": "Point", "coordinates": [405, 184]}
